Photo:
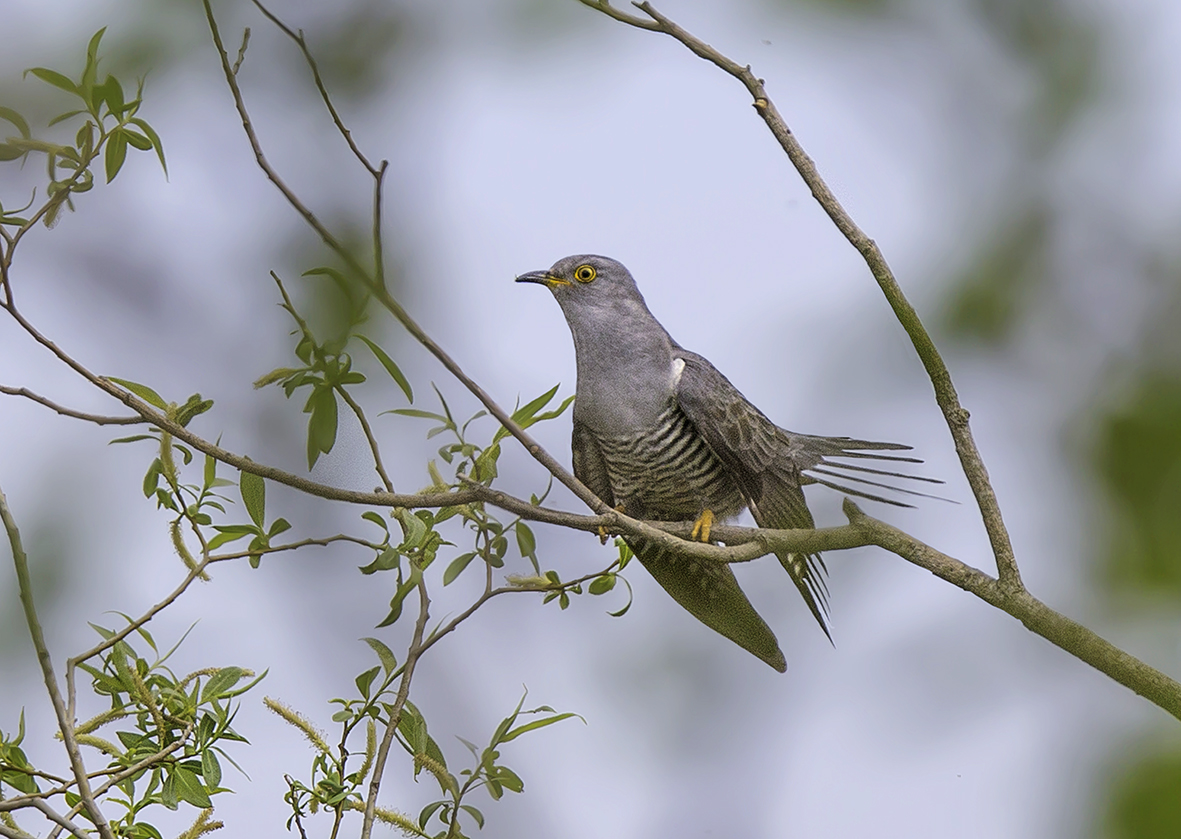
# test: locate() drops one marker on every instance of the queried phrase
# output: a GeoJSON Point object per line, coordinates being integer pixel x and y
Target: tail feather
{"type": "Point", "coordinates": [709, 592]}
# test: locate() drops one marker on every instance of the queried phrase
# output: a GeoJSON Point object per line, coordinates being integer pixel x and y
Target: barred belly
{"type": "Point", "coordinates": [669, 473]}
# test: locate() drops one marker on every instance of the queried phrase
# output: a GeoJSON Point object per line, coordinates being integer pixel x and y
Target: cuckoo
{"type": "Point", "coordinates": [661, 435]}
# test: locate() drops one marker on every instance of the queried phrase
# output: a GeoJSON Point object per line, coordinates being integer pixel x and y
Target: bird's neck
{"type": "Point", "coordinates": [626, 377]}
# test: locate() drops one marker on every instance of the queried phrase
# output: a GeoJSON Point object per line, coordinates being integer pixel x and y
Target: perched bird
{"type": "Point", "coordinates": [661, 435]}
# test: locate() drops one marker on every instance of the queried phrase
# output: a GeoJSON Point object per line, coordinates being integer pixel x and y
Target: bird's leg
{"type": "Point", "coordinates": [603, 531]}
{"type": "Point", "coordinates": [702, 526]}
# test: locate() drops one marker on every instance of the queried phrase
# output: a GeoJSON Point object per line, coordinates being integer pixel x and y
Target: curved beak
{"type": "Point", "coordinates": [544, 278]}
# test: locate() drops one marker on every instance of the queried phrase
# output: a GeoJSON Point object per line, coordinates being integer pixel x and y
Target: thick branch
{"type": "Point", "coordinates": [945, 394]}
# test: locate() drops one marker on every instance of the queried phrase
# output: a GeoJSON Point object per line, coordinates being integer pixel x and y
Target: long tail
{"type": "Point", "coordinates": [816, 466]}
{"type": "Point", "coordinates": [709, 592]}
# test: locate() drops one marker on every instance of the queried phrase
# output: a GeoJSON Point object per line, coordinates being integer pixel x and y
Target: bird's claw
{"type": "Point", "coordinates": [702, 526]}
{"type": "Point", "coordinates": [603, 534]}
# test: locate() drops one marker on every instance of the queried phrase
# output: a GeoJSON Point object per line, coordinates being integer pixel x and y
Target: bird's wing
{"type": "Point", "coordinates": [760, 457]}
{"type": "Point", "coordinates": [589, 466]}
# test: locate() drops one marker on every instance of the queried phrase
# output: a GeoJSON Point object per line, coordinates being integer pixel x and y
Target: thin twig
{"type": "Point", "coordinates": [383, 296]}
{"type": "Point", "coordinates": [302, 42]}
{"type": "Point", "coordinates": [945, 394]}
{"type": "Point", "coordinates": [97, 419]}
{"type": "Point", "coordinates": [55, 817]}
{"type": "Point", "coordinates": [65, 724]}
{"type": "Point", "coordinates": [412, 655]}
{"type": "Point", "coordinates": [373, 448]}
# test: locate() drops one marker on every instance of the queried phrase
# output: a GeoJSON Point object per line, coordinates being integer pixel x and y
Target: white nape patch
{"type": "Point", "coordinates": [678, 369]}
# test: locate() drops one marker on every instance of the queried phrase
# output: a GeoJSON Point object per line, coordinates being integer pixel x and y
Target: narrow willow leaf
{"type": "Point", "coordinates": [253, 490]}
{"type": "Point", "coordinates": [391, 368]}
{"type": "Point", "coordinates": [54, 78]}
{"type": "Point", "coordinates": [143, 392]}
{"type": "Point", "coordinates": [388, 661]}
{"type": "Point", "coordinates": [116, 154]}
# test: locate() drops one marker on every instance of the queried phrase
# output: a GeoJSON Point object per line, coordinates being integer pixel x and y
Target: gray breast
{"type": "Point", "coordinates": [669, 473]}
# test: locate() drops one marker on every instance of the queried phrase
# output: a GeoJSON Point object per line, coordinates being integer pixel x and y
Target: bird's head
{"type": "Point", "coordinates": [584, 279]}
{"type": "Point", "coordinates": [585, 285]}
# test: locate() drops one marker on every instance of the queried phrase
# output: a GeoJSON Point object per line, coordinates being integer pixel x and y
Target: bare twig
{"type": "Point", "coordinates": [383, 296]}
{"type": "Point", "coordinates": [65, 724]}
{"type": "Point", "coordinates": [945, 394]}
{"type": "Point", "coordinates": [373, 448]}
{"type": "Point", "coordinates": [97, 419]}
{"type": "Point", "coordinates": [301, 41]}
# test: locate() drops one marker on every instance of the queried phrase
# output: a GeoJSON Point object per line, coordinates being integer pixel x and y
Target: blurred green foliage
{"type": "Point", "coordinates": [1137, 459]}
{"type": "Point", "coordinates": [1145, 801]}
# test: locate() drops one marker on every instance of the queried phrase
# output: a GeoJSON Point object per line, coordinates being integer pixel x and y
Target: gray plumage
{"type": "Point", "coordinates": [663, 435]}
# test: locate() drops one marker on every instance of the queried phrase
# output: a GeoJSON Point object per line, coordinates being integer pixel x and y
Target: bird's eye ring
{"type": "Point", "coordinates": [584, 273]}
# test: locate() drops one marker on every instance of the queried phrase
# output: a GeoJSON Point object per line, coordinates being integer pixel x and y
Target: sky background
{"type": "Point", "coordinates": [1016, 162]}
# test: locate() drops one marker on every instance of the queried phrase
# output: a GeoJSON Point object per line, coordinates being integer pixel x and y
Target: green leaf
{"type": "Point", "coordinates": [387, 560]}
{"type": "Point", "coordinates": [322, 423]}
{"type": "Point", "coordinates": [536, 724]}
{"type": "Point", "coordinates": [138, 140]}
{"type": "Point", "coordinates": [66, 116]}
{"type": "Point", "coordinates": [474, 813]}
{"type": "Point", "coordinates": [279, 525]}
{"type": "Point", "coordinates": [526, 542]}
{"type": "Point", "coordinates": [54, 78]}
{"type": "Point", "coordinates": [413, 528]}
{"type": "Point", "coordinates": [8, 152]}
{"type": "Point", "coordinates": [210, 768]}
{"type": "Point", "coordinates": [415, 412]}
{"type": "Point", "coordinates": [143, 392]}
{"type": "Point", "coordinates": [152, 478]}
{"type": "Point", "coordinates": [220, 682]}
{"type": "Point", "coordinates": [111, 92]}
{"type": "Point", "coordinates": [189, 788]}
{"type": "Point", "coordinates": [253, 490]}
{"type": "Point", "coordinates": [384, 654]}
{"type": "Point", "coordinates": [92, 49]}
{"type": "Point", "coordinates": [9, 115]}
{"type": "Point", "coordinates": [155, 138]}
{"type": "Point", "coordinates": [457, 567]}
{"type": "Point", "coordinates": [365, 680]}
{"type": "Point", "coordinates": [376, 518]}
{"type": "Point", "coordinates": [602, 585]}
{"type": "Point", "coordinates": [390, 367]}
{"type": "Point", "coordinates": [397, 600]}
{"type": "Point", "coordinates": [508, 779]}
{"type": "Point", "coordinates": [116, 153]}
{"type": "Point", "coordinates": [522, 415]}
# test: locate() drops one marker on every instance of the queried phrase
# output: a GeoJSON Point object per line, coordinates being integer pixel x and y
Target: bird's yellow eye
{"type": "Point", "coordinates": [584, 273]}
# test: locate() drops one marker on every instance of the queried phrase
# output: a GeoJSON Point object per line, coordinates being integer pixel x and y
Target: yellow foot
{"type": "Point", "coordinates": [702, 526]}
{"type": "Point", "coordinates": [603, 531]}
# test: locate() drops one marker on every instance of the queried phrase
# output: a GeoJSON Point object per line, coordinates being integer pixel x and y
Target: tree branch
{"type": "Point", "coordinates": [412, 655]}
{"type": "Point", "coordinates": [945, 394]}
{"type": "Point", "coordinates": [97, 419]}
{"type": "Point", "coordinates": [1039, 618]}
{"type": "Point", "coordinates": [65, 724]}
